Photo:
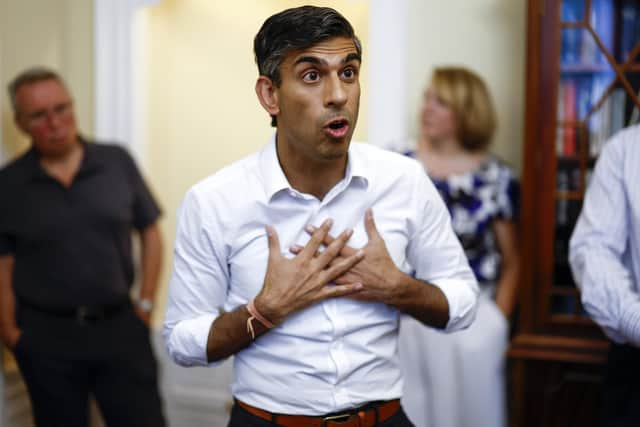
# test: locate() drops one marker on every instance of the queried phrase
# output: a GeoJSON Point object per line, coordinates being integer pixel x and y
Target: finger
{"type": "Point", "coordinates": [349, 289]}
{"type": "Point", "coordinates": [332, 251]}
{"type": "Point", "coordinates": [296, 249]}
{"type": "Point", "coordinates": [341, 267]}
{"type": "Point", "coordinates": [316, 239]}
{"type": "Point", "coordinates": [346, 278]}
{"type": "Point", "coordinates": [346, 250]}
{"type": "Point", "coordinates": [274, 242]}
{"type": "Point", "coordinates": [370, 225]}
{"type": "Point", "coordinates": [328, 238]}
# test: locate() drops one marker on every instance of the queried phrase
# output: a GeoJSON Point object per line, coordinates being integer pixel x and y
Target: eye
{"type": "Point", "coordinates": [311, 76]}
{"type": "Point", "coordinates": [61, 108]}
{"type": "Point", "coordinates": [349, 73]}
{"type": "Point", "coordinates": [38, 115]}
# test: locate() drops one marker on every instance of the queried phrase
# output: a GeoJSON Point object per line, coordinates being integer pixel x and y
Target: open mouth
{"type": "Point", "coordinates": [337, 124]}
{"type": "Point", "coordinates": [337, 128]}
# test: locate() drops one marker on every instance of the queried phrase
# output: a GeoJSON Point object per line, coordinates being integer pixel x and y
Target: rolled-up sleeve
{"type": "Point", "coordinates": [438, 258]}
{"type": "Point", "coordinates": [198, 285]}
{"type": "Point", "coordinates": [598, 249]}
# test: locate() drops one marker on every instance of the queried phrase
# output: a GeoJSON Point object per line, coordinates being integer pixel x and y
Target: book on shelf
{"type": "Point", "coordinates": [583, 97]}
{"type": "Point", "coordinates": [572, 10]}
{"type": "Point", "coordinates": [570, 53]}
{"type": "Point", "coordinates": [569, 113]}
{"type": "Point", "coordinates": [566, 135]}
{"type": "Point", "coordinates": [634, 118]}
{"type": "Point", "coordinates": [607, 121]}
{"type": "Point", "coordinates": [602, 19]}
{"type": "Point", "coordinates": [629, 27]}
{"type": "Point", "coordinates": [617, 98]}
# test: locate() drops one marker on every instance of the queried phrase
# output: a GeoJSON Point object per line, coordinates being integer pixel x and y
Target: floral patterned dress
{"type": "Point", "coordinates": [475, 200]}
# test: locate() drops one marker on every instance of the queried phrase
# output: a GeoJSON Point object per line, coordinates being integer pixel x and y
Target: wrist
{"type": "Point", "coordinates": [145, 305]}
{"type": "Point", "coordinates": [400, 285]}
{"type": "Point", "coordinates": [267, 310]}
{"type": "Point", "coordinates": [11, 336]}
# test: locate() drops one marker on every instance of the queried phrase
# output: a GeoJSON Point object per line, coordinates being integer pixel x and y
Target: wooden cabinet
{"type": "Point", "coordinates": [583, 78]}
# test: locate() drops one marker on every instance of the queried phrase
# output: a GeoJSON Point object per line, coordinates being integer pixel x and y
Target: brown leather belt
{"type": "Point", "coordinates": [368, 416]}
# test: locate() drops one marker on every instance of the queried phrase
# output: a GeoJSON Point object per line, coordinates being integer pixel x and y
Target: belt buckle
{"type": "Point", "coordinates": [85, 316]}
{"type": "Point", "coordinates": [81, 314]}
{"type": "Point", "coordinates": [341, 418]}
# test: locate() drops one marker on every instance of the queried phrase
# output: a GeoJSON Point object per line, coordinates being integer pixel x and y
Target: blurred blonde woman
{"type": "Point", "coordinates": [458, 380]}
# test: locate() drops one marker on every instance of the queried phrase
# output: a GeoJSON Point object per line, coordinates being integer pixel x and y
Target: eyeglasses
{"type": "Point", "coordinates": [61, 110]}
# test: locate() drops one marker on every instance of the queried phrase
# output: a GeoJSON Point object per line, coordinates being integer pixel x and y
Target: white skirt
{"type": "Point", "coordinates": [456, 379]}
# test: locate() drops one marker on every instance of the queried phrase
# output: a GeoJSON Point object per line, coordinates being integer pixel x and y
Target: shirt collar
{"type": "Point", "coordinates": [274, 179]}
{"type": "Point", "coordinates": [90, 162]}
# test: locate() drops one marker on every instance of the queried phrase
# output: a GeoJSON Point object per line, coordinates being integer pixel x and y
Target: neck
{"type": "Point", "coordinates": [64, 166]}
{"type": "Point", "coordinates": [449, 147]}
{"type": "Point", "coordinates": [311, 176]}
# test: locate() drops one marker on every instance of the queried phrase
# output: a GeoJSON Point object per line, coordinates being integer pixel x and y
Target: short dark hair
{"type": "Point", "coordinates": [294, 29]}
{"type": "Point", "coordinates": [29, 76]}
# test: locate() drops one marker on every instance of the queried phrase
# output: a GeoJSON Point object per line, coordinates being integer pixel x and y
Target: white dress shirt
{"type": "Point", "coordinates": [605, 246]}
{"type": "Point", "coordinates": [334, 355]}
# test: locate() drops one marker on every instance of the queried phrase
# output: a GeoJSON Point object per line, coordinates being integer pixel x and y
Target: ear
{"type": "Point", "coordinates": [20, 122]}
{"type": "Point", "coordinates": [268, 95]}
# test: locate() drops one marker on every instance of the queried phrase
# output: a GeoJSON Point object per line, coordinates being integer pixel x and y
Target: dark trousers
{"type": "Point", "coordinates": [621, 393]}
{"type": "Point", "coordinates": [242, 418]}
{"type": "Point", "coordinates": [64, 361]}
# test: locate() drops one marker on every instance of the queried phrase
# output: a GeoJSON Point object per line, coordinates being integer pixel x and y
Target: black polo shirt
{"type": "Point", "coordinates": [72, 246]}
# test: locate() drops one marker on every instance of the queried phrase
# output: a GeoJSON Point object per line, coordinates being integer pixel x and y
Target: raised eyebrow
{"type": "Point", "coordinates": [309, 59]}
{"type": "Point", "coordinates": [317, 61]}
{"type": "Point", "coordinates": [352, 57]}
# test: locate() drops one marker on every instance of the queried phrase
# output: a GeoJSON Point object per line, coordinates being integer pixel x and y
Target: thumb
{"type": "Point", "coordinates": [274, 242]}
{"type": "Point", "coordinates": [370, 225]}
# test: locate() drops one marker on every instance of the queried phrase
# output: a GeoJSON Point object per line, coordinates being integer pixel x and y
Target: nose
{"type": "Point", "coordinates": [53, 119]}
{"type": "Point", "coordinates": [336, 92]}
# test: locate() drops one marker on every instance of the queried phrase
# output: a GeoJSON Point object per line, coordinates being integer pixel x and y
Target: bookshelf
{"type": "Point", "coordinates": [583, 83]}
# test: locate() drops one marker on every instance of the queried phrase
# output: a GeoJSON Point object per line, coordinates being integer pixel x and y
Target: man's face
{"type": "Point", "coordinates": [318, 100]}
{"type": "Point", "coordinates": [45, 113]}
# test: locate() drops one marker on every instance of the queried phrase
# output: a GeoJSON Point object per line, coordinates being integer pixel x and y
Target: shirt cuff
{"type": "Point", "coordinates": [462, 297]}
{"type": "Point", "coordinates": [630, 324]}
{"type": "Point", "coordinates": [187, 343]}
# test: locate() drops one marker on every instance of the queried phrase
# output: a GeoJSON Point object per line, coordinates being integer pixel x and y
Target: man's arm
{"type": "Point", "coordinates": [598, 244]}
{"type": "Point", "coordinates": [9, 331]}
{"type": "Point", "coordinates": [151, 242]}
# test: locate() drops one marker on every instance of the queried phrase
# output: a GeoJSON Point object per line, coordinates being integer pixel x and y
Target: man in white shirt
{"type": "Point", "coordinates": [605, 259]}
{"type": "Point", "coordinates": [278, 260]}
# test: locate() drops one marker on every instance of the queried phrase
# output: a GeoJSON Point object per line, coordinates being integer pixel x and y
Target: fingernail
{"type": "Point", "coordinates": [349, 232]}
{"type": "Point", "coordinates": [328, 222]}
{"type": "Point", "coordinates": [358, 286]}
{"type": "Point", "coordinates": [310, 228]}
{"type": "Point", "coordinates": [360, 253]}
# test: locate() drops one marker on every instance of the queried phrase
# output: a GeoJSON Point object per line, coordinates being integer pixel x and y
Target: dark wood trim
{"type": "Point", "coordinates": [560, 349]}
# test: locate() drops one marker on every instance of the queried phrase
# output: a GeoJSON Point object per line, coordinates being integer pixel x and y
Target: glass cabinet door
{"type": "Point", "coordinates": [597, 95]}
